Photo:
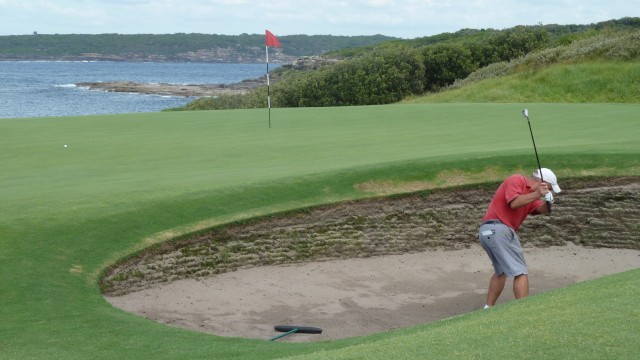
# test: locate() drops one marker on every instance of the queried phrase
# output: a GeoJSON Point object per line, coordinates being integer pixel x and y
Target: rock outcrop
{"type": "Point", "coordinates": [189, 90]}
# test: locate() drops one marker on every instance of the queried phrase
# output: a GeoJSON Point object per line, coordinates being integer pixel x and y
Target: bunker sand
{"type": "Point", "coordinates": [360, 296]}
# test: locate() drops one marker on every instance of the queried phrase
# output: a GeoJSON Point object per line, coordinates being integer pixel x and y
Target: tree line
{"type": "Point", "coordinates": [169, 47]}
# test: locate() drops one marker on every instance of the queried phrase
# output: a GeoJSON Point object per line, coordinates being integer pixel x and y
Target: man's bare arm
{"type": "Point", "coordinates": [525, 199]}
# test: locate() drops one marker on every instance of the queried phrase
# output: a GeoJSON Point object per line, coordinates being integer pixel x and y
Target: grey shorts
{"type": "Point", "coordinates": [503, 247]}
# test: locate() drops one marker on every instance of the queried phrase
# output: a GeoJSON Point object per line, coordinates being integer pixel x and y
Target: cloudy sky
{"type": "Point", "coordinates": [405, 19]}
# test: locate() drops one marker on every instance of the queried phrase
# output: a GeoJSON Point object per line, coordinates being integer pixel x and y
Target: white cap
{"type": "Point", "coordinates": [549, 177]}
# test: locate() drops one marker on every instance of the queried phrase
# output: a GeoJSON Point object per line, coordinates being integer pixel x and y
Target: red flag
{"type": "Point", "coordinates": [272, 40]}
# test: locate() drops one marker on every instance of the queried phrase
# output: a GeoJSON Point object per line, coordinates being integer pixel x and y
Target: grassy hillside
{"type": "Point", "coordinates": [588, 82]}
{"type": "Point", "coordinates": [125, 182]}
{"type": "Point", "coordinates": [602, 68]}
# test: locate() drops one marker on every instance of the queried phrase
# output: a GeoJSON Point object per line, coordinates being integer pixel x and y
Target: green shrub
{"type": "Point", "coordinates": [381, 77]}
{"type": "Point", "coordinates": [256, 98]}
{"type": "Point", "coordinates": [444, 64]}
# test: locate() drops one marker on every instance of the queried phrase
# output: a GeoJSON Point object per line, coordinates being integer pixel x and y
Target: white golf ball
{"type": "Point", "coordinates": [65, 146]}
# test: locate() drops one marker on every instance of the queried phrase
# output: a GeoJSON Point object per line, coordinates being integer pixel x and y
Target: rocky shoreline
{"type": "Point", "coordinates": [200, 90]}
{"type": "Point", "coordinates": [187, 90]}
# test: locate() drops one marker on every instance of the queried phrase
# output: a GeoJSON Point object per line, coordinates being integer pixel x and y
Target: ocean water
{"type": "Point", "coordinates": [47, 88]}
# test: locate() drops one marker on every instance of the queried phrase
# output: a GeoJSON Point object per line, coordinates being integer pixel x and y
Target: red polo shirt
{"type": "Point", "coordinates": [511, 188]}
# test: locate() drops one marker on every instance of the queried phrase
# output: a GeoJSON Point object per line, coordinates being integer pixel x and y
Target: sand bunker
{"type": "Point", "coordinates": [358, 296]}
{"type": "Point", "coordinates": [384, 288]}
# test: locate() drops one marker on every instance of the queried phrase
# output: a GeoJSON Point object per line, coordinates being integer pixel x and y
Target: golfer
{"type": "Point", "coordinates": [517, 197]}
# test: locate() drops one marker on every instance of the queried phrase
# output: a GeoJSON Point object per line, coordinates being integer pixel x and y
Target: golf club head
{"type": "Point", "coordinates": [525, 113]}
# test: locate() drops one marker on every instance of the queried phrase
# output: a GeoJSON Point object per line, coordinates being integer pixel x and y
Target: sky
{"type": "Point", "coordinates": [404, 19]}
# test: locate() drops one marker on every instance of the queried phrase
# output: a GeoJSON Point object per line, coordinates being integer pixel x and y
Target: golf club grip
{"type": "Point", "coordinates": [549, 206]}
{"type": "Point", "coordinates": [300, 329]}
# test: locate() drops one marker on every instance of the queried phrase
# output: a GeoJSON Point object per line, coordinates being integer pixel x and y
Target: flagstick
{"type": "Point", "coordinates": [268, 88]}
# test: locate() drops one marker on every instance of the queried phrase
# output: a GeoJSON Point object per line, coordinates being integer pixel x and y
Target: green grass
{"type": "Point", "coordinates": [587, 82]}
{"type": "Point", "coordinates": [549, 326]}
{"type": "Point", "coordinates": [127, 181]}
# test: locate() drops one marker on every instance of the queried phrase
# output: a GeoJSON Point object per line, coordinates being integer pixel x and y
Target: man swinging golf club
{"type": "Point", "coordinates": [517, 197]}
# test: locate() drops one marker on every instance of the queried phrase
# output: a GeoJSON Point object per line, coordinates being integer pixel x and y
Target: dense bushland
{"type": "Point", "coordinates": [169, 47]}
{"type": "Point", "coordinates": [396, 70]}
{"type": "Point", "coordinates": [380, 77]}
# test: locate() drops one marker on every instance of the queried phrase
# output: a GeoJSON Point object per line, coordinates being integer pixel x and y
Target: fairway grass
{"type": "Point", "coordinates": [125, 182]}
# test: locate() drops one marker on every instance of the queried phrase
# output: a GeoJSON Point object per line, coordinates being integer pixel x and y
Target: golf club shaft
{"type": "Point", "coordinates": [537, 159]}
